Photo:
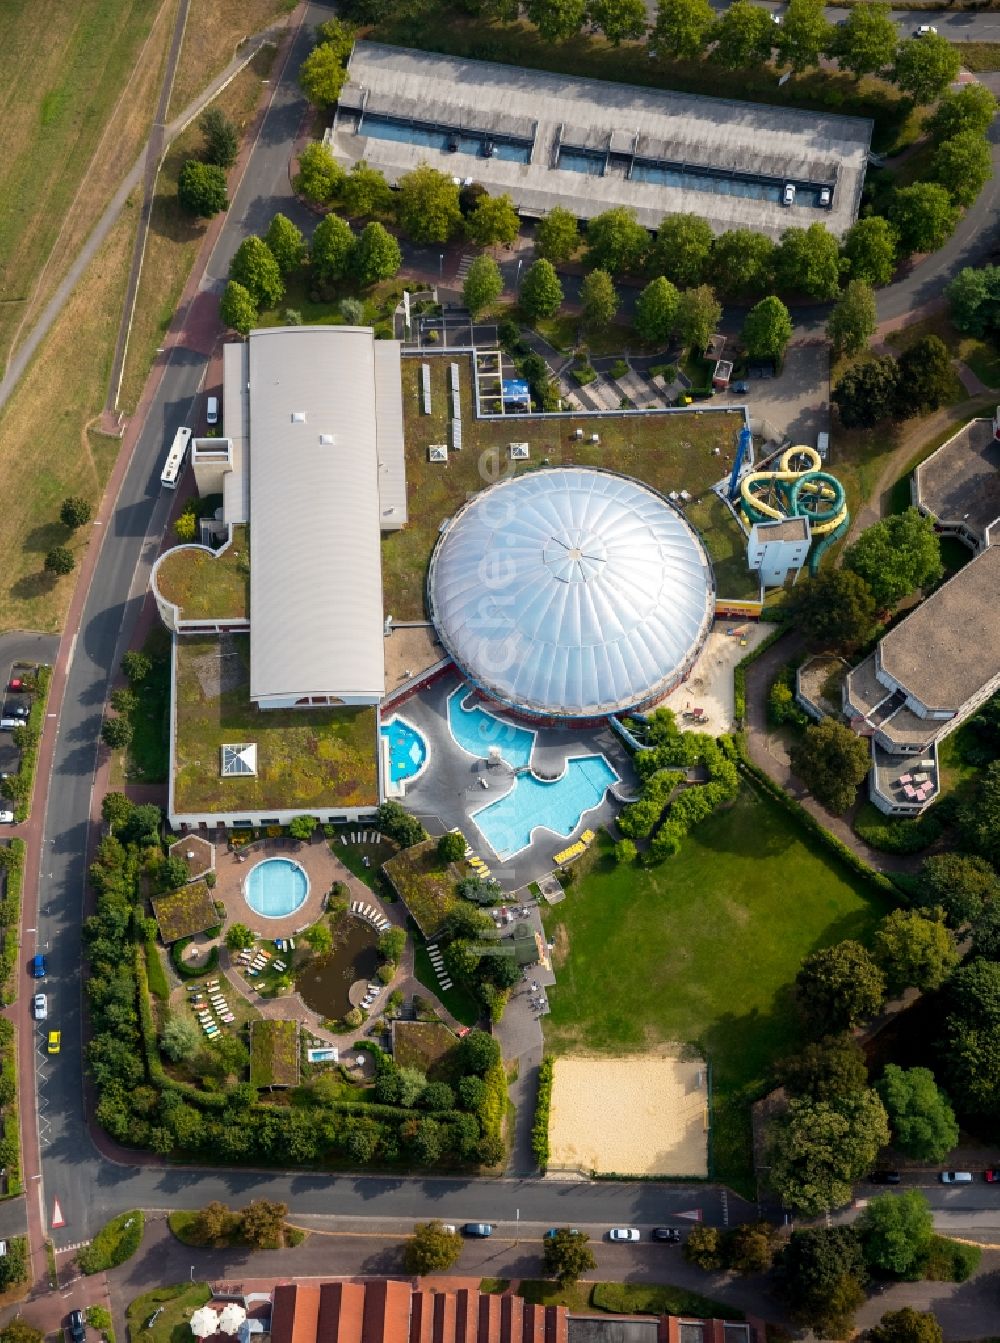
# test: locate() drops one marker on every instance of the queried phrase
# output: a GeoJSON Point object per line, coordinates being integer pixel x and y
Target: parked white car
{"type": "Point", "coordinates": [623, 1233]}
{"type": "Point", "coordinates": [40, 1007]}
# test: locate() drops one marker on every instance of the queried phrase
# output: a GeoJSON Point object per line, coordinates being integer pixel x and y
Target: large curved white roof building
{"type": "Point", "coordinates": [571, 593]}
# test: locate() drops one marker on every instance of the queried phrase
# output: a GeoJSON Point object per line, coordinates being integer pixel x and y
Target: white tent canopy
{"type": "Point", "coordinates": [204, 1322]}
{"type": "Point", "coordinates": [231, 1318]}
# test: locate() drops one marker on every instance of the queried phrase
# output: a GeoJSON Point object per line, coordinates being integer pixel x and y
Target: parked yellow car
{"type": "Point", "coordinates": [55, 1040]}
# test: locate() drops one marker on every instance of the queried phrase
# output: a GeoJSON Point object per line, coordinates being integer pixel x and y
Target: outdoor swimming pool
{"type": "Point", "coordinates": [477, 731]}
{"type": "Point", "coordinates": [407, 749]}
{"type": "Point", "coordinates": [276, 887]}
{"type": "Point", "coordinates": [559, 806]}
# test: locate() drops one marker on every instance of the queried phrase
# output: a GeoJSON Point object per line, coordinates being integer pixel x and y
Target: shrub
{"type": "Point", "coordinates": [540, 1125]}
{"type": "Point", "coordinates": [114, 1243]}
{"type": "Point", "coordinates": [188, 971]}
{"type": "Point", "coordinates": [951, 1260]}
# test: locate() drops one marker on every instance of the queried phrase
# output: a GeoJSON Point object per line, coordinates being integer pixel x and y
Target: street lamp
{"type": "Point", "coordinates": [440, 265]}
{"type": "Point", "coordinates": [192, 1272]}
{"type": "Point", "coordinates": [517, 1226]}
{"type": "Point", "coordinates": [517, 277]}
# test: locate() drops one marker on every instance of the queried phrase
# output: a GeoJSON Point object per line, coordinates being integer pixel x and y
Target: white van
{"type": "Point", "coordinates": [212, 410]}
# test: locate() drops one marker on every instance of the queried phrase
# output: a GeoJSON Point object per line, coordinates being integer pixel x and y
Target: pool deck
{"type": "Point", "coordinates": [451, 790]}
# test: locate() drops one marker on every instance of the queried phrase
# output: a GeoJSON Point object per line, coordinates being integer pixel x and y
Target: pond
{"type": "Point", "coordinates": [325, 981]}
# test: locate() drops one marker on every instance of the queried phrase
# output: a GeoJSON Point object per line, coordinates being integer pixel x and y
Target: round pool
{"type": "Point", "coordinates": [276, 887]}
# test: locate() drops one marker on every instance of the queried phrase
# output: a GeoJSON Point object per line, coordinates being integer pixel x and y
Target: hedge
{"type": "Point", "coordinates": [847, 855]}
{"type": "Point", "coordinates": [10, 924]}
{"type": "Point", "coordinates": [188, 971]}
{"type": "Point", "coordinates": [25, 777]}
{"type": "Point", "coordinates": [540, 1127]}
{"type": "Point", "coordinates": [902, 836]}
{"type": "Point", "coordinates": [114, 1243]}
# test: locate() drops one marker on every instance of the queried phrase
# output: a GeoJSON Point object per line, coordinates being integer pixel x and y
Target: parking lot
{"type": "Point", "coordinates": [18, 685]}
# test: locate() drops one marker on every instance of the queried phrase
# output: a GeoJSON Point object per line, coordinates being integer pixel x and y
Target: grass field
{"type": "Point", "coordinates": [702, 950]}
{"type": "Point", "coordinates": [670, 452]}
{"type": "Point", "coordinates": [215, 28]}
{"type": "Point", "coordinates": [203, 586]}
{"type": "Point", "coordinates": [726, 545]}
{"type": "Point", "coordinates": [77, 81]}
{"type": "Point", "coordinates": [174, 1305]}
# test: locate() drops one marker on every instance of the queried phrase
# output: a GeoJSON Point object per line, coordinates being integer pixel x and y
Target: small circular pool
{"type": "Point", "coordinates": [276, 887]}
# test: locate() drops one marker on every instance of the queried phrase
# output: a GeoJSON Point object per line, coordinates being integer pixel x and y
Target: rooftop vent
{"type": "Point", "coordinates": [437, 452]}
{"type": "Point", "coordinates": [518, 452]}
{"type": "Point", "coordinates": [327, 440]}
{"type": "Point", "coordinates": [298, 417]}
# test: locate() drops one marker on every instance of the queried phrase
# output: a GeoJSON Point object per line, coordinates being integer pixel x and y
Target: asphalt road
{"type": "Point", "coordinates": [90, 1188]}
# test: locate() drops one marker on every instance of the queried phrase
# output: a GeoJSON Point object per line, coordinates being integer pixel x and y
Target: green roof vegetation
{"type": "Point", "coordinates": [668, 452]}
{"type": "Point", "coordinates": [274, 1053]}
{"type": "Point", "coordinates": [307, 759]}
{"type": "Point", "coordinates": [715, 936]}
{"type": "Point", "coordinates": [204, 586]}
{"type": "Point", "coordinates": [421, 1044]}
{"type": "Point", "coordinates": [424, 884]}
{"type": "Point", "coordinates": [726, 545]}
{"type": "Point", "coordinates": [185, 912]}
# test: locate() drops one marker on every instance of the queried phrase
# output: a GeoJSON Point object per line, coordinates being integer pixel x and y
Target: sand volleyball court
{"type": "Point", "coordinates": [640, 1114]}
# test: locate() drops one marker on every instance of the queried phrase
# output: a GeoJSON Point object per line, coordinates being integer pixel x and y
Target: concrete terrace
{"type": "Point", "coordinates": [448, 793]}
{"type": "Point", "coordinates": [620, 132]}
{"type": "Point", "coordinates": [959, 484]}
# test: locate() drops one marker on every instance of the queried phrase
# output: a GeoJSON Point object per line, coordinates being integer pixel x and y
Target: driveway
{"type": "Point", "coordinates": [796, 403]}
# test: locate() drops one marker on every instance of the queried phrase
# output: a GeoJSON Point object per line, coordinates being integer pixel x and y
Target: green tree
{"type": "Point", "coordinates": [320, 176]}
{"type": "Point", "coordinates": [365, 191]}
{"type": "Point", "coordinates": [682, 249]}
{"type": "Point", "coordinates": [181, 1039]}
{"type": "Point", "coordinates": [626, 852]}
{"type": "Point", "coordinates": [853, 319]}
{"type": "Point", "coordinates": [376, 255]}
{"type": "Point", "coordinates": [831, 761]}
{"type": "Point", "coordinates": [896, 1232]}
{"type": "Point", "coordinates": [923, 216]}
{"type": "Point", "coordinates": [541, 293]}
{"type": "Point", "coordinates": [619, 20]}
{"type": "Point", "coordinates": [20, 1331]}
{"type": "Point", "coordinates": [750, 1247]}
{"type": "Point", "coordinates": [391, 945]}
{"type": "Point", "coordinates": [979, 816]}
{"type": "Point", "coordinates": [288, 247]}
{"type": "Point", "coordinates": [703, 1247]}
{"type": "Point", "coordinates": [262, 1224]}
{"type": "Point", "coordinates": [866, 42]}
{"type": "Point", "coordinates": [337, 34]}
{"type": "Point", "coordinates": [186, 524]}
{"type": "Point", "coordinates": [322, 75]}
{"type": "Point", "coordinates": [906, 1326]}
{"type": "Point", "coordinates": [866, 393]}
{"type": "Point", "coordinates": [492, 219]}
{"type": "Point", "coordinates": [656, 311]}
{"type": "Point", "coordinates": [201, 189]}
{"type": "Point", "coordinates": [915, 950]}
{"type": "Point", "coordinates": [60, 561]}
{"type": "Point", "coordinates": [807, 261]}
{"type": "Point", "coordinates": [744, 35]}
{"type": "Point", "coordinates": [599, 299]}
{"type": "Point", "coordinates": [826, 1069]}
{"type": "Point", "coordinates": [483, 285]}
{"type": "Point", "coordinates": [838, 987]}
{"type": "Point", "coordinates": [428, 205]}
{"type": "Point", "coordinates": [116, 810]}
{"type": "Point", "coordinates": [818, 1149]}
{"type": "Point", "coordinates": [431, 1249]}
{"type": "Point", "coordinates": [116, 733]}
{"type": "Point", "coordinates": [213, 1224]}
{"type": "Point", "coordinates": [698, 315]}
{"type": "Point", "coordinates": [920, 1114]}
{"type": "Point", "coordinates": [254, 267]}
{"type": "Point", "coordinates": [963, 166]}
{"type": "Point", "coordinates": [925, 66]}
{"type": "Point", "coordinates": [960, 884]}
{"type": "Point", "coordinates": [924, 377]}
{"type": "Point", "coordinates": [136, 666]}
{"type": "Point", "coordinates": [222, 141]}
{"type": "Point", "coordinates": [352, 310]}
{"type": "Point", "coordinates": [302, 827]}
{"type": "Point", "coordinates": [974, 295]}
{"type": "Point", "coordinates": [681, 33]}
{"type": "Point", "coordinates": [477, 1054]}
{"type": "Point", "coordinates": [239, 937]}
{"type": "Point", "coordinates": [742, 262]}
{"type": "Point", "coordinates": [557, 235]}
{"type": "Point", "coordinates": [75, 512]}
{"type": "Point", "coordinates": [804, 34]}
{"type": "Point", "coordinates": [970, 1039]}
{"type": "Point", "coordinates": [870, 250]}
{"type": "Point", "coordinates": [451, 847]}
{"type": "Point", "coordinates": [616, 242]}
{"type": "Point", "coordinates": [320, 938]}
{"type": "Point", "coordinates": [767, 329]}
{"type": "Point", "coordinates": [331, 251]}
{"type": "Point", "coordinates": [835, 609]}
{"type": "Point", "coordinates": [970, 108]}
{"type": "Point", "coordinates": [237, 310]}
{"type": "Point", "coordinates": [897, 556]}
{"type": "Point", "coordinates": [986, 934]}
{"type": "Point", "coordinates": [567, 1255]}
{"type": "Point", "coordinates": [557, 20]}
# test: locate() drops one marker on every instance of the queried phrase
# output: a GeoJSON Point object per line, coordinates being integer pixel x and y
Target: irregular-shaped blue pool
{"type": "Point", "coordinates": [407, 749]}
{"type": "Point", "coordinates": [478, 731]}
{"type": "Point", "coordinates": [533, 803]}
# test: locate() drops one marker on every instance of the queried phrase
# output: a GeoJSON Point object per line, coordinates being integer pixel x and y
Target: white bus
{"type": "Point", "coordinates": [174, 464]}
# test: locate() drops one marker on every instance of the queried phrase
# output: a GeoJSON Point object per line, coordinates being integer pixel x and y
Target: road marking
{"type": "Point", "coordinates": [725, 1208]}
{"type": "Point", "coordinates": [57, 1217]}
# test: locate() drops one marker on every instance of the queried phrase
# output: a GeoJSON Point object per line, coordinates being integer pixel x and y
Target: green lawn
{"type": "Point", "coordinates": [175, 1305]}
{"type": "Point", "coordinates": [669, 452]}
{"type": "Point", "coordinates": [205, 586]}
{"type": "Point", "coordinates": [147, 759]}
{"type": "Point", "coordinates": [980, 355]}
{"type": "Point", "coordinates": [726, 545]}
{"type": "Point", "coordinates": [460, 1004]}
{"type": "Point", "coordinates": [703, 950]}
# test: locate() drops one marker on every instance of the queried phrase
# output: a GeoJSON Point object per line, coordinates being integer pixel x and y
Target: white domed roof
{"type": "Point", "coordinates": [571, 591]}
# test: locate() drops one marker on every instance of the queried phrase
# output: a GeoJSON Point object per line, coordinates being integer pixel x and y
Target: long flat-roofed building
{"type": "Point", "coordinates": [548, 139]}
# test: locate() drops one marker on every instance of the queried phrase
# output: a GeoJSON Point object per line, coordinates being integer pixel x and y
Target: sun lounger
{"type": "Point", "coordinates": [446, 984]}
{"type": "Point", "coordinates": [228, 1017]}
{"type": "Point", "coordinates": [280, 965]}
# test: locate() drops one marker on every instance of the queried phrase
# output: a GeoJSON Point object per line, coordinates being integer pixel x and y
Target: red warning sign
{"type": "Point", "coordinates": [57, 1217]}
